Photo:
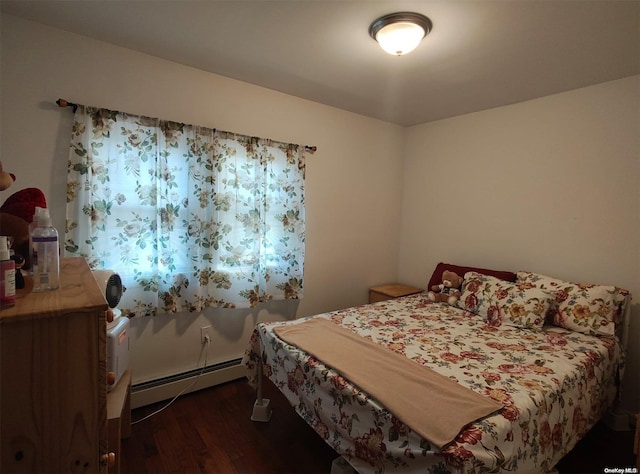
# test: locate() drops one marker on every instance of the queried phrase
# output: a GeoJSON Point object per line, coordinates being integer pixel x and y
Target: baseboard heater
{"type": "Point", "coordinates": [164, 388]}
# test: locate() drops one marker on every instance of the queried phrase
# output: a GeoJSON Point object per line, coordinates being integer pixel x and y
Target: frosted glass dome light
{"type": "Point", "coordinates": [400, 33]}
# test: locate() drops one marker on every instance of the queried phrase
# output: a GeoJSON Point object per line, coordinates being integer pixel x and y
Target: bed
{"type": "Point", "coordinates": [549, 352]}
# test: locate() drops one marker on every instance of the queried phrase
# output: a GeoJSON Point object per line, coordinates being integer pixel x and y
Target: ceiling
{"type": "Point", "coordinates": [480, 54]}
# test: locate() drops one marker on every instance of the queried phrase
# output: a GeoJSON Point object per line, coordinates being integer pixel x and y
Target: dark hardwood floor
{"type": "Point", "coordinates": [210, 431]}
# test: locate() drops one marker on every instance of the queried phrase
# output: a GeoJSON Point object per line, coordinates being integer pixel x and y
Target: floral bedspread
{"type": "Point", "coordinates": [554, 386]}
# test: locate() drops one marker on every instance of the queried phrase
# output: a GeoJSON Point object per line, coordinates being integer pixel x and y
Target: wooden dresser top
{"type": "Point", "coordinates": [78, 292]}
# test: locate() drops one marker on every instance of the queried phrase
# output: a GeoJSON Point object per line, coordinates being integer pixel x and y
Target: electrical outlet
{"type": "Point", "coordinates": [205, 331]}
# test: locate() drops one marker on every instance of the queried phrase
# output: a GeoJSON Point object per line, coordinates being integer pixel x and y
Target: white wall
{"type": "Point", "coordinates": [353, 180]}
{"type": "Point", "coordinates": [549, 185]}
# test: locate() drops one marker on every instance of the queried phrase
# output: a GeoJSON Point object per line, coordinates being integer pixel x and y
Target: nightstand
{"type": "Point", "coordinates": [391, 291]}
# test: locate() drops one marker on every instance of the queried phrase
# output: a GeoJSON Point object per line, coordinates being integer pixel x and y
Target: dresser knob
{"type": "Point", "coordinates": [111, 378]}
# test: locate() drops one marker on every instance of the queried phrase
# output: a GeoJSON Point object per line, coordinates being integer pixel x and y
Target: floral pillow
{"type": "Point", "coordinates": [581, 307]}
{"type": "Point", "coordinates": [502, 302]}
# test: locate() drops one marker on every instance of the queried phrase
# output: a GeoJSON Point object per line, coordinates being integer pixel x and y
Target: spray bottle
{"type": "Point", "coordinates": [7, 275]}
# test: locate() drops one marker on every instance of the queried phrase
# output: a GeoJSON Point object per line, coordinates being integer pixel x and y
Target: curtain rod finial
{"type": "Point", "coordinates": [66, 103]}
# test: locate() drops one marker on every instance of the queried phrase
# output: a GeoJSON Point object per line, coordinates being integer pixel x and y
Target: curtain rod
{"type": "Point", "coordinates": [66, 103]}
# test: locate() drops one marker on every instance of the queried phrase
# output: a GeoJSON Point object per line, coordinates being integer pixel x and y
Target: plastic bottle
{"type": "Point", "coordinates": [45, 254]}
{"type": "Point", "coordinates": [7, 275]}
{"type": "Point", "coordinates": [32, 226]}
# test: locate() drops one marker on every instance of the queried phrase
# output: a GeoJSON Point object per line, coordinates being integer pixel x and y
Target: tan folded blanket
{"type": "Point", "coordinates": [432, 405]}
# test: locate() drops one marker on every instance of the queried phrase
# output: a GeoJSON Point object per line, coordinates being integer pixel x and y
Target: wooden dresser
{"type": "Point", "coordinates": [53, 403]}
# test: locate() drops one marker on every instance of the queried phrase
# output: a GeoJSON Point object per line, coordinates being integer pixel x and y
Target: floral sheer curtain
{"type": "Point", "coordinates": [190, 217]}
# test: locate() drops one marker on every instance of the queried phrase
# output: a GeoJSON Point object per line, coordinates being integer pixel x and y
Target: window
{"type": "Point", "coordinates": [190, 217]}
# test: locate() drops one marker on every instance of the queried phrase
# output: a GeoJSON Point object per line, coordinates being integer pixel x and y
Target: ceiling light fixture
{"type": "Point", "coordinates": [400, 33]}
